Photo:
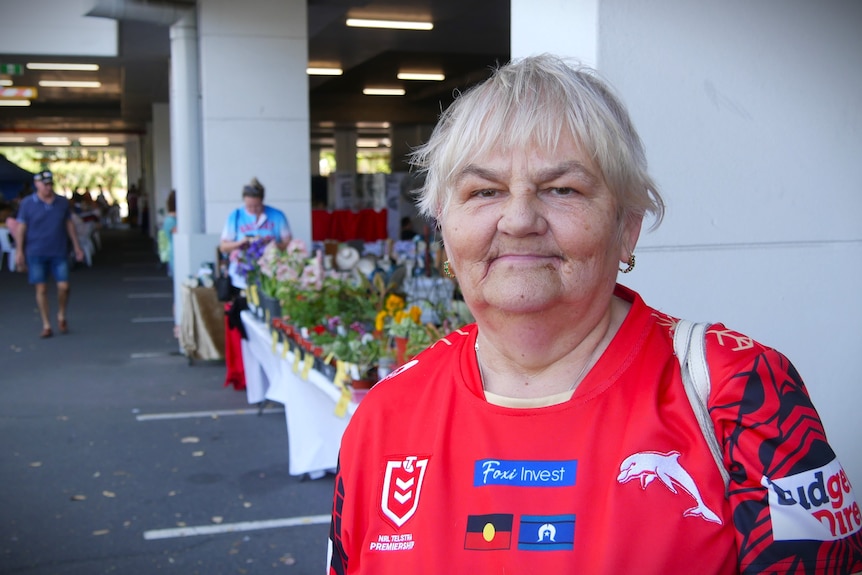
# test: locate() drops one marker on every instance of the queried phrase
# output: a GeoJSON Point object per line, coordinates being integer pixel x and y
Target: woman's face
{"type": "Point", "coordinates": [531, 229]}
{"type": "Point", "coordinates": [253, 205]}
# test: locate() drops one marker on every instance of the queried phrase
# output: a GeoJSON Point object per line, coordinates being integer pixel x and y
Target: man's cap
{"type": "Point", "coordinates": [44, 176]}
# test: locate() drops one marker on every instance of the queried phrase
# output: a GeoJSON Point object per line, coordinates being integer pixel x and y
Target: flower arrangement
{"type": "Point", "coordinates": [292, 264]}
{"type": "Point", "coordinates": [358, 346]}
{"type": "Point", "coordinates": [361, 320]}
{"type": "Point", "coordinates": [247, 259]}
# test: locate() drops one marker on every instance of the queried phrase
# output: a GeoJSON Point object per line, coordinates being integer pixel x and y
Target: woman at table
{"type": "Point", "coordinates": [251, 222]}
{"type": "Point", "coordinates": [554, 434]}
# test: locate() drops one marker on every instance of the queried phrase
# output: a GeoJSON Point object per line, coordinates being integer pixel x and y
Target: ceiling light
{"type": "Point", "coordinates": [372, 142]}
{"type": "Point", "coordinates": [12, 139]}
{"type": "Point", "coordinates": [94, 141]}
{"type": "Point", "coordinates": [58, 66]}
{"type": "Point", "coordinates": [69, 84]}
{"type": "Point", "coordinates": [373, 125]}
{"type": "Point", "coordinates": [54, 140]}
{"type": "Point", "coordinates": [383, 91]}
{"type": "Point", "coordinates": [324, 71]}
{"type": "Point", "coordinates": [391, 24]}
{"type": "Point", "coordinates": [436, 77]}
{"type": "Point", "coordinates": [4, 82]}
{"type": "Point", "coordinates": [14, 102]}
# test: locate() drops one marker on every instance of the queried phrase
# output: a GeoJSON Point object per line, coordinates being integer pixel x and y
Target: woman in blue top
{"type": "Point", "coordinates": [169, 227]}
{"type": "Point", "coordinates": [252, 221]}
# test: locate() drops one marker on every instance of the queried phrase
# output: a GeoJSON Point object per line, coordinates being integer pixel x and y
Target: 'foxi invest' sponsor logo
{"type": "Point", "coordinates": [524, 473]}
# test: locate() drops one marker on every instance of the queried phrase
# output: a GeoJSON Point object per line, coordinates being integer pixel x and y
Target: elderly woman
{"type": "Point", "coordinates": [555, 435]}
{"type": "Point", "coordinates": [253, 221]}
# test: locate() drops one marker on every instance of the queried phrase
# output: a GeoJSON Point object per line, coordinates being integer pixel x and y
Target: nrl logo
{"type": "Point", "coordinates": [402, 484]}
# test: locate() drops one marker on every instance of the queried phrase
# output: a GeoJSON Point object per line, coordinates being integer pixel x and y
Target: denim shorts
{"type": "Point", "coordinates": [40, 266]}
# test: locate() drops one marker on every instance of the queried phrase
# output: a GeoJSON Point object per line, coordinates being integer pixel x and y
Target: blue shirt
{"type": "Point", "coordinates": [272, 223]}
{"type": "Point", "coordinates": [46, 234]}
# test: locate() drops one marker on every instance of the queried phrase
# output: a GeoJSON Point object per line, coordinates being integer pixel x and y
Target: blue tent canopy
{"type": "Point", "coordinates": [12, 178]}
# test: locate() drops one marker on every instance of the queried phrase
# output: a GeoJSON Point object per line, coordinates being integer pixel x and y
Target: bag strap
{"type": "Point", "coordinates": [690, 350]}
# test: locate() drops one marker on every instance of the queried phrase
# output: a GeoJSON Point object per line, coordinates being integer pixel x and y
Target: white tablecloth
{"type": "Point", "coordinates": [313, 428]}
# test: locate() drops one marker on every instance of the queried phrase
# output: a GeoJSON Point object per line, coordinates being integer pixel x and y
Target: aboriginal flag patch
{"type": "Point", "coordinates": [489, 532]}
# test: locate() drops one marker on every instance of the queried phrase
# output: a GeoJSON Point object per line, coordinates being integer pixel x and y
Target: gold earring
{"type": "Point", "coordinates": [631, 265]}
{"type": "Point", "coordinates": [447, 270]}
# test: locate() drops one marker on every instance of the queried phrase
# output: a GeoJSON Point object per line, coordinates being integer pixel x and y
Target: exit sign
{"type": "Point", "coordinates": [12, 69]}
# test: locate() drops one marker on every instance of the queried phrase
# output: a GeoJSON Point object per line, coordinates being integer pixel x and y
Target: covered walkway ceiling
{"type": "Point", "coordinates": [469, 37]}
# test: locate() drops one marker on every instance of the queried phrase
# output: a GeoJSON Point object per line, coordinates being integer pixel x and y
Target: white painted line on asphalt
{"type": "Point", "coordinates": [146, 278]}
{"type": "Point", "coordinates": [153, 295]}
{"type": "Point", "coordinates": [146, 355]}
{"type": "Point", "coordinates": [153, 319]}
{"type": "Point", "coordinates": [236, 527]}
{"type": "Point", "coordinates": [215, 413]}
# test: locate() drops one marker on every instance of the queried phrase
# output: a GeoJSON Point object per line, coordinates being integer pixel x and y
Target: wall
{"type": "Point", "coordinates": [53, 27]}
{"type": "Point", "coordinates": [750, 113]}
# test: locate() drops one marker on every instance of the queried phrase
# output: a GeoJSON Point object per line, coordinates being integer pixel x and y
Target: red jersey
{"type": "Point", "coordinates": [618, 479]}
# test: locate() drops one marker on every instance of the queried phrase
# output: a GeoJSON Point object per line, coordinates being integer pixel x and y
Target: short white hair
{"type": "Point", "coordinates": [531, 102]}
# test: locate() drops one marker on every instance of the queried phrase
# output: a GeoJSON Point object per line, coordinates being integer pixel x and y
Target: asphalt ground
{"type": "Point", "coordinates": [111, 442]}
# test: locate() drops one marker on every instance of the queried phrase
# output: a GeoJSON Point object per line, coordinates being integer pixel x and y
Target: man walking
{"type": "Point", "coordinates": [42, 246]}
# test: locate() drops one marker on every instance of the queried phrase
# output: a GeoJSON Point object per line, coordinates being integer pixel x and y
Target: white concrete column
{"type": "Point", "coordinates": [185, 116]}
{"type": "Point", "coordinates": [254, 105]}
{"type": "Point", "coordinates": [565, 27]}
{"type": "Point", "coordinates": [161, 142]}
{"type": "Point", "coordinates": [134, 162]}
{"type": "Point", "coordinates": [191, 246]}
{"type": "Point", "coordinates": [345, 150]}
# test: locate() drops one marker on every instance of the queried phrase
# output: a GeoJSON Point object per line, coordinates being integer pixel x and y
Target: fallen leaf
{"type": "Point", "coordinates": [217, 519]}
{"type": "Point", "coordinates": [36, 464]}
{"type": "Point", "coordinates": [181, 523]}
{"type": "Point", "coordinates": [246, 504]}
{"type": "Point", "coordinates": [233, 551]}
{"type": "Point", "coordinates": [197, 453]}
{"type": "Point", "coordinates": [97, 474]}
{"type": "Point", "coordinates": [109, 494]}
{"type": "Point", "coordinates": [78, 497]}
{"type": "Point", "coordinates": [171, 493]}
{"type": "Point", "coordinates": [102, 532]}
{"type": "Point", "coordinates": [287, 559]}
{"type": "Point", "coordinates": [190, 439]}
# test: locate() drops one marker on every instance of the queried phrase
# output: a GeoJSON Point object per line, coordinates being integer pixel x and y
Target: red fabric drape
{"type": "Point", "coordinates": [233, 354]}
{"type": "Point", "coordinates": [342, 225]}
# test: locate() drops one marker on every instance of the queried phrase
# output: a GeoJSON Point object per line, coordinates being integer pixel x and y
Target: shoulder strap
{"type": "Point", "coordinates": [690, 350]}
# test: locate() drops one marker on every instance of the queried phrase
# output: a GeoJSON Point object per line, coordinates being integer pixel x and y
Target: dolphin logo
{"type": "Point", "coordinates": [649, 465]}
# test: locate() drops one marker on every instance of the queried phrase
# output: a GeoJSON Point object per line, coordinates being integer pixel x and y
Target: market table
{"type": "Point", "coordinates": [311, 404]}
